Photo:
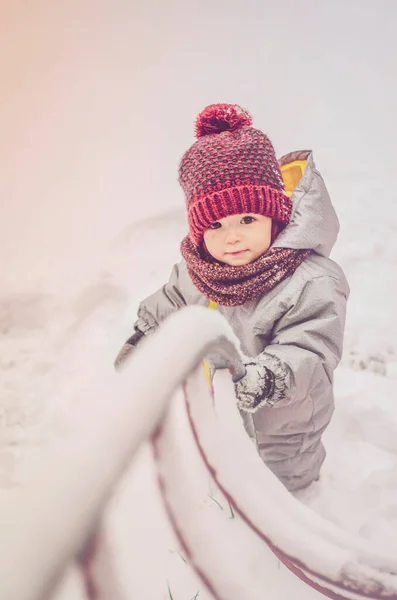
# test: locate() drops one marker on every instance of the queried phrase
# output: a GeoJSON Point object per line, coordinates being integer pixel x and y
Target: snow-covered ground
{"type": "Point", "coordinates": [96, 114]}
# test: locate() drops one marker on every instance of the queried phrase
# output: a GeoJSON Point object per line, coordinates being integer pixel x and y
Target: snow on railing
{"type": "Point", "coordinates": [82, 470]}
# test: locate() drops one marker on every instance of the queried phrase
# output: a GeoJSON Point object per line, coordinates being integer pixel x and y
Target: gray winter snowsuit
{"type": "Point", "coordinates": [298, 329]}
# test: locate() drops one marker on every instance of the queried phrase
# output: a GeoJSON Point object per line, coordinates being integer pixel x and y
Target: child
{"type": "Point", "coordinates": [260, 233]}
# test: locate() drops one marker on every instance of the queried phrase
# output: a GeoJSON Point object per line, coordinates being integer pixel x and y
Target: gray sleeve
{"type": "Point", "coordinates": [307, 340]}
{"type": "Point", "coordinates": [158, 306]}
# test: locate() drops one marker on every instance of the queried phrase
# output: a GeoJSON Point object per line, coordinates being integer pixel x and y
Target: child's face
{"type": "Point", "coordinates": [239, 239]}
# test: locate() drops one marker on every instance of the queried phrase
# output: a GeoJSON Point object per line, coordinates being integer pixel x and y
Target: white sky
{"type": "Point", "coordinates": [99, 98]}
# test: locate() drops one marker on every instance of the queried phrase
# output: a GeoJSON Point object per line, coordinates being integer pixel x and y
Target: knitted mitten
{"type": "Point", "coordinates": [256, 388]}
{"type": "Point", "coordinates": [128, 348]}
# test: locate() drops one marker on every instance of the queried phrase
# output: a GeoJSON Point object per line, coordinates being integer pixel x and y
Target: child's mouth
{"type": "Point", "coordinates": [237, 252]}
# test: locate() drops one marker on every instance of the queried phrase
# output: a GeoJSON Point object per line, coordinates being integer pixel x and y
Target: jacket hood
{"type": "Point", "coordinates": [314, 224]}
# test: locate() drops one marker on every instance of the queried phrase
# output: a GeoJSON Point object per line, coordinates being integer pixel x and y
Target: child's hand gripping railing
{"type": "Point", "coordinates": [54, 521]}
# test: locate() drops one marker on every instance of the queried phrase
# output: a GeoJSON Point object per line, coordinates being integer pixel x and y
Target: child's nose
{"type": "Point", "coordinates": [232, 236]}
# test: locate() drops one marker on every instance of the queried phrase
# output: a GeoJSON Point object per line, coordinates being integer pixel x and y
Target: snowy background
{"type": "Point", "coordinates": [98, 105]}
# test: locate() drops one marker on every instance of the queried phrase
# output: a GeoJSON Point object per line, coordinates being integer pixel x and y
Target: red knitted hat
{"type": "Point", "coordinates": [231, 169]}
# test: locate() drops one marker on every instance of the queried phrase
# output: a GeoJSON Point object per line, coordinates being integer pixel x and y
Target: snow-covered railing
{"type": "Point", "coordinates": [57, 519]}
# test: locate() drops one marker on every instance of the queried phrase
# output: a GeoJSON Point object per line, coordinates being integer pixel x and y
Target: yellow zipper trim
{"type": "Point", "coordinates": [207, 369]}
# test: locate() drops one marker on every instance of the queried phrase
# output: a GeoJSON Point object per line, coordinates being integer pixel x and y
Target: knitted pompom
{"type": "Point", "coordinates": [221, 117]}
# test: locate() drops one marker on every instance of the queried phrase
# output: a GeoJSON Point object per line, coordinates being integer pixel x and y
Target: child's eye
{"type": "Point", "coordinates": [247, 220]}
{"type": "Point", "coordinates": [215, 225]}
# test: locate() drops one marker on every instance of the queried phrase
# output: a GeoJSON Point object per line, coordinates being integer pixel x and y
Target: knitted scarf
{"type": "Point", "coordinates": [233, 286]}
